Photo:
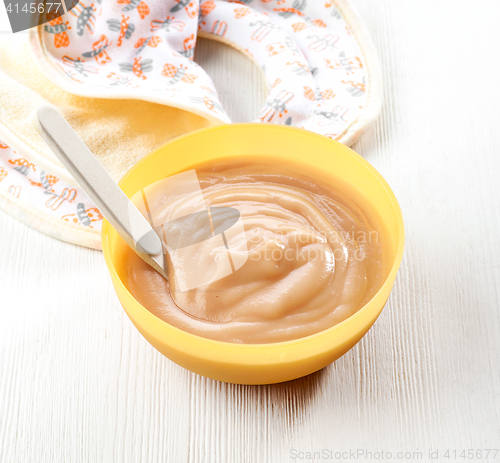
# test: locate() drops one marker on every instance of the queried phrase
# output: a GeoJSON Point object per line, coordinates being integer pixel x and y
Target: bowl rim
{"type": "Point", "coordinates": [246, 347]}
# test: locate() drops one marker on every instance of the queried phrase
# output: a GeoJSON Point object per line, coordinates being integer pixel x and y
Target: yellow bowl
{"type": "Point", "coordinates": [258, 363]}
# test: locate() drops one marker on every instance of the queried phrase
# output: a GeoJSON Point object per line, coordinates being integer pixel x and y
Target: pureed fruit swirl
{"type": "Point", "coordinates": [314, 256]}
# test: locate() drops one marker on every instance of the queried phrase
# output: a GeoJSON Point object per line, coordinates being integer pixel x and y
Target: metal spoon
{"type": "Point", "coordinates": [115, 206]}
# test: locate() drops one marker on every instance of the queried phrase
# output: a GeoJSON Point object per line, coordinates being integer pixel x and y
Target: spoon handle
{"type": "Point", "coordinates": [120, 212]}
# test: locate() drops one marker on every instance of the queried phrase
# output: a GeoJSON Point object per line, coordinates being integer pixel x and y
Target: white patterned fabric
{"type": "Point", "coordinates": [316, 55]}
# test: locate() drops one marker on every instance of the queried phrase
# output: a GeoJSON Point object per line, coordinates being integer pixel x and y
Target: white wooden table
{"type": "Point", "coordinates": [79, 384]}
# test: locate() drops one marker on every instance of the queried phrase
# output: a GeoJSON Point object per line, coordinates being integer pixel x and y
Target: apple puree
{"type": "Point", "coordinates": [313, 257]}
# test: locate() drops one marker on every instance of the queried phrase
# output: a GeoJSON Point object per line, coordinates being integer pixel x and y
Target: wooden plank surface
{"type": "Point", "coordinates": [79, 384]}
